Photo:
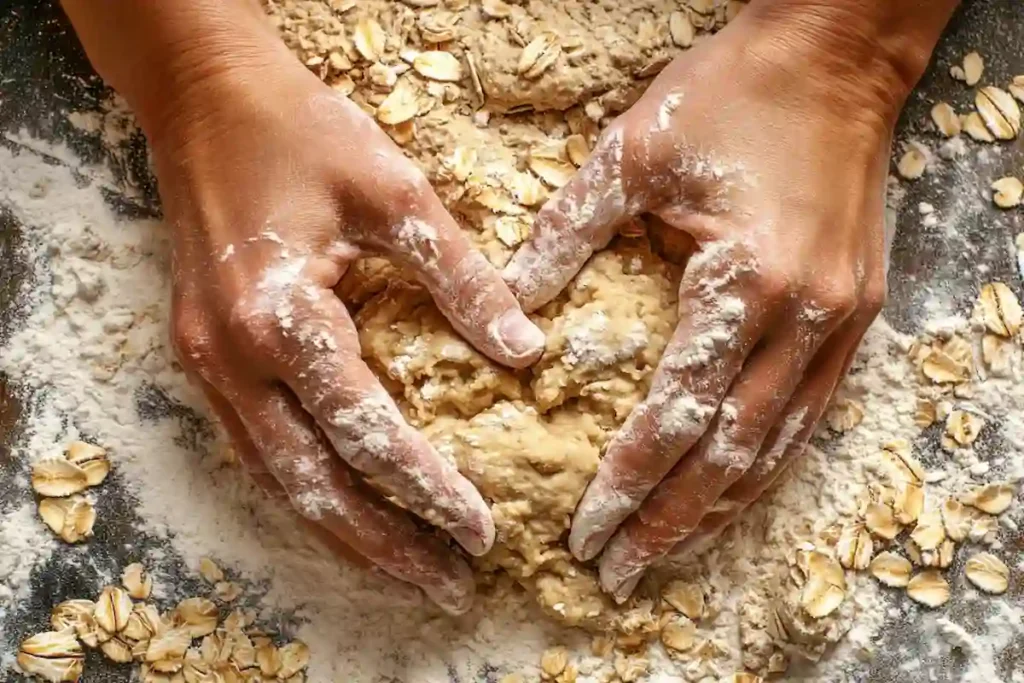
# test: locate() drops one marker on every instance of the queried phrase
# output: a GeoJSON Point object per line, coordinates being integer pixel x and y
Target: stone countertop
{"type": "Point", "coordinates": [44, 76]}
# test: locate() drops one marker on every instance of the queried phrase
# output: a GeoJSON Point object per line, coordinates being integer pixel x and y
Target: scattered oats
{"type": "Point", "coordinates": [687, 598]}
{"type": "Point", "coordinates": [89, 632]}
{"type": "Point", "coordinates": [973, 68]}
{"type": "Point", "coordinates": [679, 634]}
{"type": "Point", "coordinates": [113, 608]}
{"type": "Point", "coordinates": [400, 105]}
{"type": "Point", "coordinates": [70, 518]}
{"type": "Point", "coordinates": [929, 589]}
{"type": "Point", "coordinates": [143, 623]}
{"type": "Point", "coordinates": [962, 427]}
{"type": "Point", "coordinates": [210, 572]}
{"type": "Point", "coordinates": [539, 55]}
{"type": "Point", "coordinates": [137, 580]}
{"type": "Point", "coordinates": [997, 352]}
{"type": "Point", "coordinates": [880, 519]}
{"type": "Point", "coordinates": [975, 127]}
{"type": "Point", "coordinates": [438, 65]}
{"type": "Point", "coordinates": [227, 591]}
{"type": "Point", "coordinates": [982, 527]}
{"type": "Point", "coordinates": [999, 309]}
{"type": "Point", "coordinates": [855, 547]}
{"type": "Point", "coordinates": [630, 668]}
{"type": "Point", "coordinates": [999, 111]}
{"type": "Point", "coordinates": [57, 477]}
{"type": "Point", "coordinates": [988, 572]}
{"type": "Point", "coordinates": [91, 459]}
{"type": "Point", "coordinates": [913, 162]}
{"type": "Point", "coordinates": [528, 190]}
{"type": "Point", "coordinates": [891, 569]}
{"type": "Point", "coordinates": [930, 531]}
{"type": "Point", "coordinates": [510, 230]}
{"type": "Point", "coordinates": [825, 588]}
{"type": "Point", "coordinates": [370, 39]}
{"type": "Point", "coordinates": [946, 553]}
{"type": "Point", "coordinates": [495, 9]}
{"type": "Point", "coordinates": [268, 657]}
{"type": "Point", "coordinates": [1016, 88]}
{"type": "Point", "coordinates": [742, 677]}
{"type": "Point", "coordinates": [901, 462]}
{"type": "Point", "coordinates": [553, 662]}
{"type": "Point", "coordinates": [957, 519]}
{"type": "Point", "coordinates": [69, 613]}
{"type": "Point", "coordinates": [168, 648]}
{"type": "Point", "coordinates": [577, 149]}
{"type": "Point", "coordinates": [1007, 192]}
{"type": "Point", "coordinates": [946, 120]}
{"type": "Point", "coordinates": [513, 678]}
{"type": "Point", "coordinates": [844, 415]}
{"type": "Point", "coordinates": [198, 616]}
{"type": "Point", "coordinates": [294, 658]}
{"type": "Point", "coordinates": [681, 29]}
{"type": "Point", "coordinates": [993, 499]}
{"type": "Point", "coordinates": [555, 173]}
{"type": "Point", "coordinates": [908, 503]}
{"type": "Point", "coordinates": [53, 656]}
{"type": "Point", "coordinates": [117, 650]}
{"type": "Point", "coordinates": [924, 415]}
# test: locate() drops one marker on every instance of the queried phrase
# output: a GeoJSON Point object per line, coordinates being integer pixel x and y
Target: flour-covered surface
{"type": "Point", "coordinates": [83, 353]}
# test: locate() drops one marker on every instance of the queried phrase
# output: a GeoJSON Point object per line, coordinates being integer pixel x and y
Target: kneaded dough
{"type": "Point", "coordinates": [532, 440]}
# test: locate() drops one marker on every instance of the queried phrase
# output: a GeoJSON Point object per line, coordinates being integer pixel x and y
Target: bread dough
{"type": "Point", "coordinates": [531, 441]}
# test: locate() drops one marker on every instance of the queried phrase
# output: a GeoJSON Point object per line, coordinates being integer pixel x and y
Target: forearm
{"type": "Point", "coordinates": [155, 53]}
{"type": "Point", "coordinates": [884, 43]}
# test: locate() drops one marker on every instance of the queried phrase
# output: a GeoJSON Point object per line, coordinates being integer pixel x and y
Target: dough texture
{"type": "Point", "coordinates": [531, 441]}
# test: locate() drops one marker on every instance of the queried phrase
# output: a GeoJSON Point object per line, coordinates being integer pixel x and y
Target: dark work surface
{"type": "Point", "coordinates": [44, 75]}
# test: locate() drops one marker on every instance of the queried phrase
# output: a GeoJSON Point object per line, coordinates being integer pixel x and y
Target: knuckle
{"type": "Point", "coordinates": [775, 285]}
{"type": "Point", "coordinates": [254, 327]}
{"type": "Point", "coordinates": [838, 301]}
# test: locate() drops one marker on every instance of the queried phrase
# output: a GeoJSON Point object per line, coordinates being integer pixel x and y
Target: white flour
{"type": "Point", "coordinates": [94, 333]}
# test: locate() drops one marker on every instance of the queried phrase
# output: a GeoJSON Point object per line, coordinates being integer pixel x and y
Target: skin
{"type": "Point", "coordinates": [776, 173]}
{"type": "Point", "coordinates": [273, 184]}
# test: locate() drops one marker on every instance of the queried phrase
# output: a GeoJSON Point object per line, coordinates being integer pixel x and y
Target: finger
{"type": "Point", "coordinates": [580, 219]}
{"type": "Point", "coordinates": [690, 502]}
{"type": "Point", "coordinates": [325, 491]}
{"type": "Point", "coordinates": [319, 359]}
{"type": "Point", "coordinates": [716, 332]}
{"type": "Point", "coordinates": [252, 462]}
{"type": "Point", "coordinates": [465, 286]}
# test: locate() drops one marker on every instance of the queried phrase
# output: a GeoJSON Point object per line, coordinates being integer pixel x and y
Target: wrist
{"type": "Point", "coordinates": [862, 53]}
{"type": "Point", "coordinates": [169, 60]}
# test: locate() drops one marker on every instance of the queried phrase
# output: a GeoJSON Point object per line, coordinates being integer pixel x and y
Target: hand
{"type": "Point", "coordinates": [757, 146]}
{"type": "Point", "coordinates": [273, 184]}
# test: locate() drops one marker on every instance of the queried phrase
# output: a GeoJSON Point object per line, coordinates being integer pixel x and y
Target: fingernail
{"type": "Point", "coordinates": [621, 569]}
{"type": "Point", "coordinates": [476, 540]}
{"type": "Point", "coordinates": [520, 337]}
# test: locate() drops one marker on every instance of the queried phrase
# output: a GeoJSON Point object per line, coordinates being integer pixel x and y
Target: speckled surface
{"type": "Point", "coordinates": [43, 76]}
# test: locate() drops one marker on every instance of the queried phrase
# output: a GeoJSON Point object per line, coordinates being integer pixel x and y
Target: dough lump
{"type": "Point", "coordinates": [531, 440]}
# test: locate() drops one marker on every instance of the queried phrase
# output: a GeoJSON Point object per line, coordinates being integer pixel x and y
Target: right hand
{"type": "Point", "coordinates": [273, 184]}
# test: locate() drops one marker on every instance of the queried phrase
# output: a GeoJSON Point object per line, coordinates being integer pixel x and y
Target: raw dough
{"type": "Point", "coordinates": [531, 441]}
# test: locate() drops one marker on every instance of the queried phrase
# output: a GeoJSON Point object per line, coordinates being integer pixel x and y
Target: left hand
{"type": "Point", "coordinates": [778, 174]}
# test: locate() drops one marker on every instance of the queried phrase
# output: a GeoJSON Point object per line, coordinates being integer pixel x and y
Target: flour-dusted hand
{"type": "Point", "coordinates": [768, 146]}
{"type": "Point", "coordinates": [272, 185]}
